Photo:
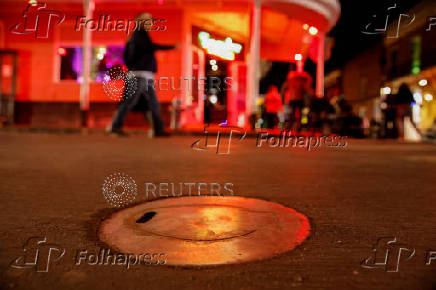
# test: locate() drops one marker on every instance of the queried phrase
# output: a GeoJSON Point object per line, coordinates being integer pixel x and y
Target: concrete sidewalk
{"type": "Point", "coordinates": [50, 187]}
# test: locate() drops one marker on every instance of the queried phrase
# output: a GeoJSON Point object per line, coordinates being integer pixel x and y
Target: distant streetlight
{"type": "Point", "coordinates": [213, 99]}
{"type": "Point", "coordinates": [386, 90]}
{"type": "Point", "coordinates": [313, 30]}
{"type": "Point", "coordinates": [428, 97]}
{"type": "Point", "coordinates": [422, 82]}
{"type": "Point", "coordinates": [299, 59]}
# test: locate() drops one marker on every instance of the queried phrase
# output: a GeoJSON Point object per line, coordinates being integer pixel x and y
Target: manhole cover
{"type": "Point", "coordinates": [206, 230]}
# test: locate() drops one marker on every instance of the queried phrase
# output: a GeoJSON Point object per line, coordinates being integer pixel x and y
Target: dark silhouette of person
{"type": "Point", "coordinates": [140, 60]}
{"type": "Point", "coordinates": [273, 104]}
{"type": "Point", "coordinates": [403, 101]}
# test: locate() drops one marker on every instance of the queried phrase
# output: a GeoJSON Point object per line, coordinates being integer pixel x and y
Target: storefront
{"type": "Point", "coordinates": [57, 82]}
{"type": "Point", "coordinates": [219, 74]}
{"type": "Point", "coordinates": [423, 87]}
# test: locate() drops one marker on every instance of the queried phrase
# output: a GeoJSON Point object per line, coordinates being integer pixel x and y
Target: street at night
{"type": "Point", "coordinates": [217, 144]}
{"type": "Point", "coordinates": [370, 189]}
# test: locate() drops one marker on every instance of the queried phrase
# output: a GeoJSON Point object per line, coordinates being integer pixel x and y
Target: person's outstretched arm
{"type": "Point", "coordinates": [143, 43]}
{"type": "Point", "coordinates": [162, 46]}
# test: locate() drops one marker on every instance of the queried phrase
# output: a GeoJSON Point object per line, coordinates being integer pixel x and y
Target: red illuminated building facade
{"type": "Point", "coordinates": [56, 79]}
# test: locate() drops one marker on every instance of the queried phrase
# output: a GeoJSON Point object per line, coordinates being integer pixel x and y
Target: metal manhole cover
{"type": "Point", "coordinates": [206, 230]}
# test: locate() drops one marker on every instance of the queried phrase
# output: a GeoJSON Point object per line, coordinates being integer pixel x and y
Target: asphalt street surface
{"type": "Point", "coordinates": [51, 187]}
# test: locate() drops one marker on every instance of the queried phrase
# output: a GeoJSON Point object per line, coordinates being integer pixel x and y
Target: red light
{"type": "Point", "coordinates": [62, 51]}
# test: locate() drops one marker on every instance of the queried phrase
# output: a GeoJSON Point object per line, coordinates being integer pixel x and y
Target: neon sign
{"type": "Point", "coordinates": [225, 49]}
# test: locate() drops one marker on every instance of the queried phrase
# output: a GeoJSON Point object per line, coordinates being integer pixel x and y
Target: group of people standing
{"type": "Point", "coordinates": [301, 110]}
{"type": "Point", "coordinates": [294, 99]}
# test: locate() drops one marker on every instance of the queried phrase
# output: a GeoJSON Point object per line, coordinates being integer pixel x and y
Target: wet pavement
{"type": "Point", "coordinates": [51, 187]}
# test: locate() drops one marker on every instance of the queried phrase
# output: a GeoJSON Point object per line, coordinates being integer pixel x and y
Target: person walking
{"type": "Point", "coordinates": [296, 92]}
{"type": "Point", "coordinates": [273, 104]}
{"type": "Point", "coordinates": [140, 60]}
{"type": "Point", "coordinates": [403, 102]}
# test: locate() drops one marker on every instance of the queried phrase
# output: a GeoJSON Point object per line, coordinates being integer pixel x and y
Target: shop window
{"type": "Point", "coordinates": [102, 59]}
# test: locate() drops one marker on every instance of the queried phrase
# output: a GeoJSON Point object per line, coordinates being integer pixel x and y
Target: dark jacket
{"type": "Point", "coordinates": [404, 96]}
{"type": "Point", "coordinates": [139, 52]}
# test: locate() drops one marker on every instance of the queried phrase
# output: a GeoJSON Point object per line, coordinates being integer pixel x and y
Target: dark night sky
{"type": "Point", "coordinates": [349, 40]}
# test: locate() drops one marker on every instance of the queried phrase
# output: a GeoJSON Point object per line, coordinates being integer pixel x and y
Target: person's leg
{"type": "Point", "coordinates": [268, 120]}
{"type": "Point", "coordinates": [292, 114]}
{"type": "Point", "coordinates": [400, 121]}
{"type": "Point", "coordinates": [128, 105]}
{"type": "Point", "coordinates": [297, 114]}
{"type": "Point", "coordinates": [275, 120]}
{"type": "Point", "coordinates": [154, 106]}
{"type": "Point", "coordinates": [409, 114]}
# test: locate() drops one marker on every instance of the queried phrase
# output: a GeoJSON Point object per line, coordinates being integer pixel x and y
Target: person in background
{"type": "Point", "coordinates": [403, 102]}
{"type": "Point", "coordinates": [296, 92]}
{"type": "Point", "coordinates": [273, 104]}
{"type": "Point", "coordinates": [389, 110]}
{"type": "Point", "coordinates": [140, 60]}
